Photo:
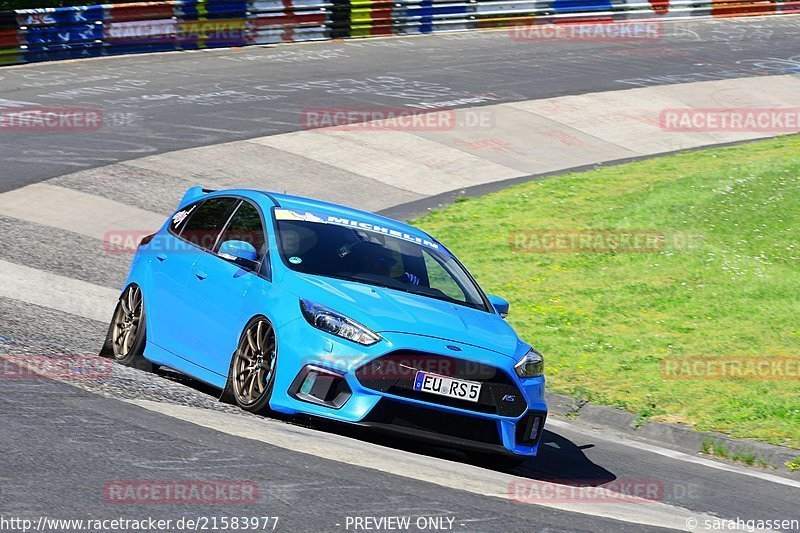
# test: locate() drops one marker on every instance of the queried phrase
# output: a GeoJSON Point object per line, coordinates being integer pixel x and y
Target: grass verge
{"type": "Point", "coordinates": [718, 449]}
{"type": "Point", "coordinates": [616, 319]}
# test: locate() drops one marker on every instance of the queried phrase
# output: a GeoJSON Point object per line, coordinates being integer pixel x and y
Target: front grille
{"type": "Point", "coordinates": [394, 373]}
{"type": "Point", "coordinates": [415, 418]}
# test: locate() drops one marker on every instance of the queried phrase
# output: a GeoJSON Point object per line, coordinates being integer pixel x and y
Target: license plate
{"type": "Point", "coordinates": [446, 386]}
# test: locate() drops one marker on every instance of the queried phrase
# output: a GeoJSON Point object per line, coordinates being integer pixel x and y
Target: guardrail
{"type": "Point", "coordinates": [29, 35]}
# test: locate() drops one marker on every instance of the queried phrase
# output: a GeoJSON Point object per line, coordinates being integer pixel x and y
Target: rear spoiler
{"type": "Point", "coordinates": [193, 194]}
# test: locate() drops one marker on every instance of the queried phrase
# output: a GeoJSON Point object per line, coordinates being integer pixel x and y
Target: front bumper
{"type": "Point", "coordinates": [355, 384]}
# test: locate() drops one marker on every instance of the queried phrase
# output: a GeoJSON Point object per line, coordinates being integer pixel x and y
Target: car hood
{"type": "Point", "coordinates": [387, 310]}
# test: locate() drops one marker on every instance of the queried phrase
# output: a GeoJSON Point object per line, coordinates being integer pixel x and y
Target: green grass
{"type": "Point", "coordinates": [794, 464]}
{"type": "Point", "coordinates": [606, 321]}
{"type": "Point", "coordinates": [718, 449]}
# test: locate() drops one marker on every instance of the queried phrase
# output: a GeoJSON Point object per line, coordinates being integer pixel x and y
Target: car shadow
{"type": "Point", "coordinates": [559, 460]}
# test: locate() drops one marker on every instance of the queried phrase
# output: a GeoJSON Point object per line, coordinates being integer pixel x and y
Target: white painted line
{"type": "Point", "coordinates": [57, 292]}
{"type": "Point", "coordinates": [423, 468]}
{"type": "Point", "coordinates": [620, 439]}
{"type": "Point", "coordinates": [76, 211]}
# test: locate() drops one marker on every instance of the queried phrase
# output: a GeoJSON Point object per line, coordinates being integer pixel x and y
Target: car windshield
{"type": "Point", "coordinates": [398, 261]}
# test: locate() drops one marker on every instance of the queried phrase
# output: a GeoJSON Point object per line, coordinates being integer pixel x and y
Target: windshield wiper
{"type": "Point", "coordinates": [404, 288]}
{"type": "Point", "coordinates": [370, 281]}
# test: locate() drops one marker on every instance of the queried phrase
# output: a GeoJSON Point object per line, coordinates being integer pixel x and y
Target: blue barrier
{"type": "Point", "coordinates": [62, 51]}
{"type": "Point", "coordinates": [581, 6]}
{"type": "Point", "coordinates": [60, 15]}
{"type": "Point", "coordinates": [427, 9]}
{"type": "Point", "coordinates": [62, 34]}
{"type": "Point", "coordinates": [219, 9]}
{"type": "Point", "coordinates": [426, 16]}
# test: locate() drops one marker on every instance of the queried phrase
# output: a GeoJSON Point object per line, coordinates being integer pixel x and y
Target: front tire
{"type": "Point", "coordinates": [252, 375]}
{"type": "Point", "coordinates": [128, 330]}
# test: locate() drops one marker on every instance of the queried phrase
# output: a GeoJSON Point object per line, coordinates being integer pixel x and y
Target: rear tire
{"type": "Point", "coordinates": [253, 367]}
{"type": "Point", "coordinates": [128, 331]}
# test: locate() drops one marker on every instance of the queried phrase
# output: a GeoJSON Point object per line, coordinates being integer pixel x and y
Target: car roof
{"type": "Point", "coordinates": [299, 203]}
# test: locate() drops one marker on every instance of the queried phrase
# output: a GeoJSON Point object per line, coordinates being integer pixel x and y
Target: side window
{"type": "Point", "coordinates": [245, 225]}
{"type": "Point", "coordinates": [439, 279]}
{"type": "Point", "coordinates": [179, 219]}
{"type": "Point", "coordinates": [206, 221]}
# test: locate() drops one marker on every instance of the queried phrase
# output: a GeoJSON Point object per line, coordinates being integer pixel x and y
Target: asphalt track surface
{"type": "Point", "coordinates": [305, 493]}
{"type": "Point", "coordinates": [62, 445]}
{"type": "Point", "coordinates": [164, 102]}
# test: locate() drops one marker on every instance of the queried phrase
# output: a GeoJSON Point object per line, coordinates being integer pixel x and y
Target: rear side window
{"type": "Point", "coordinates": [245, 225]}
{"type": "Point", "coordinates": [206, 221]}
{"type": "Point", "coordinates": [179, 219]}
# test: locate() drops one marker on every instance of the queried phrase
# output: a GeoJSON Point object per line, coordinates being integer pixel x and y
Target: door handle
{"type": "Point", "coordinates": [200, 275]}
{"type": "Point", "coordinates": [161, 257]}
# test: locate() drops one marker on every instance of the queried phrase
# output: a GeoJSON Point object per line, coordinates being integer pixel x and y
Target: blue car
{"type": "Point", "coordinates": [305, 307]}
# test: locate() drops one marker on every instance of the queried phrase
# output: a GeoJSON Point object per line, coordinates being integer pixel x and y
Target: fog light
{"type": "Point", "coordinates": [530, 428]}
{"type": "Point", "coordinates": [317, 385]}
{"type": "Point", "coordinates": [308, 383]}
{"type": "Point", "coordinates": [537, 422]}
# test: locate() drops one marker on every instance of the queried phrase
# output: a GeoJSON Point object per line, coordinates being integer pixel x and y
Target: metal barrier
{"type": "Point", "coordinates": [29, 35]}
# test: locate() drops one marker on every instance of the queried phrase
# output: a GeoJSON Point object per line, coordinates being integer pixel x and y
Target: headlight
{"type": "Point", "coordinates": [530, 366]}
{"type": "Point", "coordinates": [330, 321]}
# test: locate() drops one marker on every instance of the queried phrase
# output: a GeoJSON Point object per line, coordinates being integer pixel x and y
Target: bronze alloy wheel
{"type": "Point", "coordinates": [253, 368]}
{"type": "Point", "coordinates": [127, 320]}
{"type": "Point", "coordinates": [127, 333]}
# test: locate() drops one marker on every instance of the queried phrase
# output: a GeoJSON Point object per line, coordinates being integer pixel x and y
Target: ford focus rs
{"type": "Point", "coordinates": [305, 307]}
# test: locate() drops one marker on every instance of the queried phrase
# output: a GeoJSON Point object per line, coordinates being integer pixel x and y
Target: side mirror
{"type": "Point", "coordinates": [500, 305]}
{"type": "Point", "coordinates": [240, 252]}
